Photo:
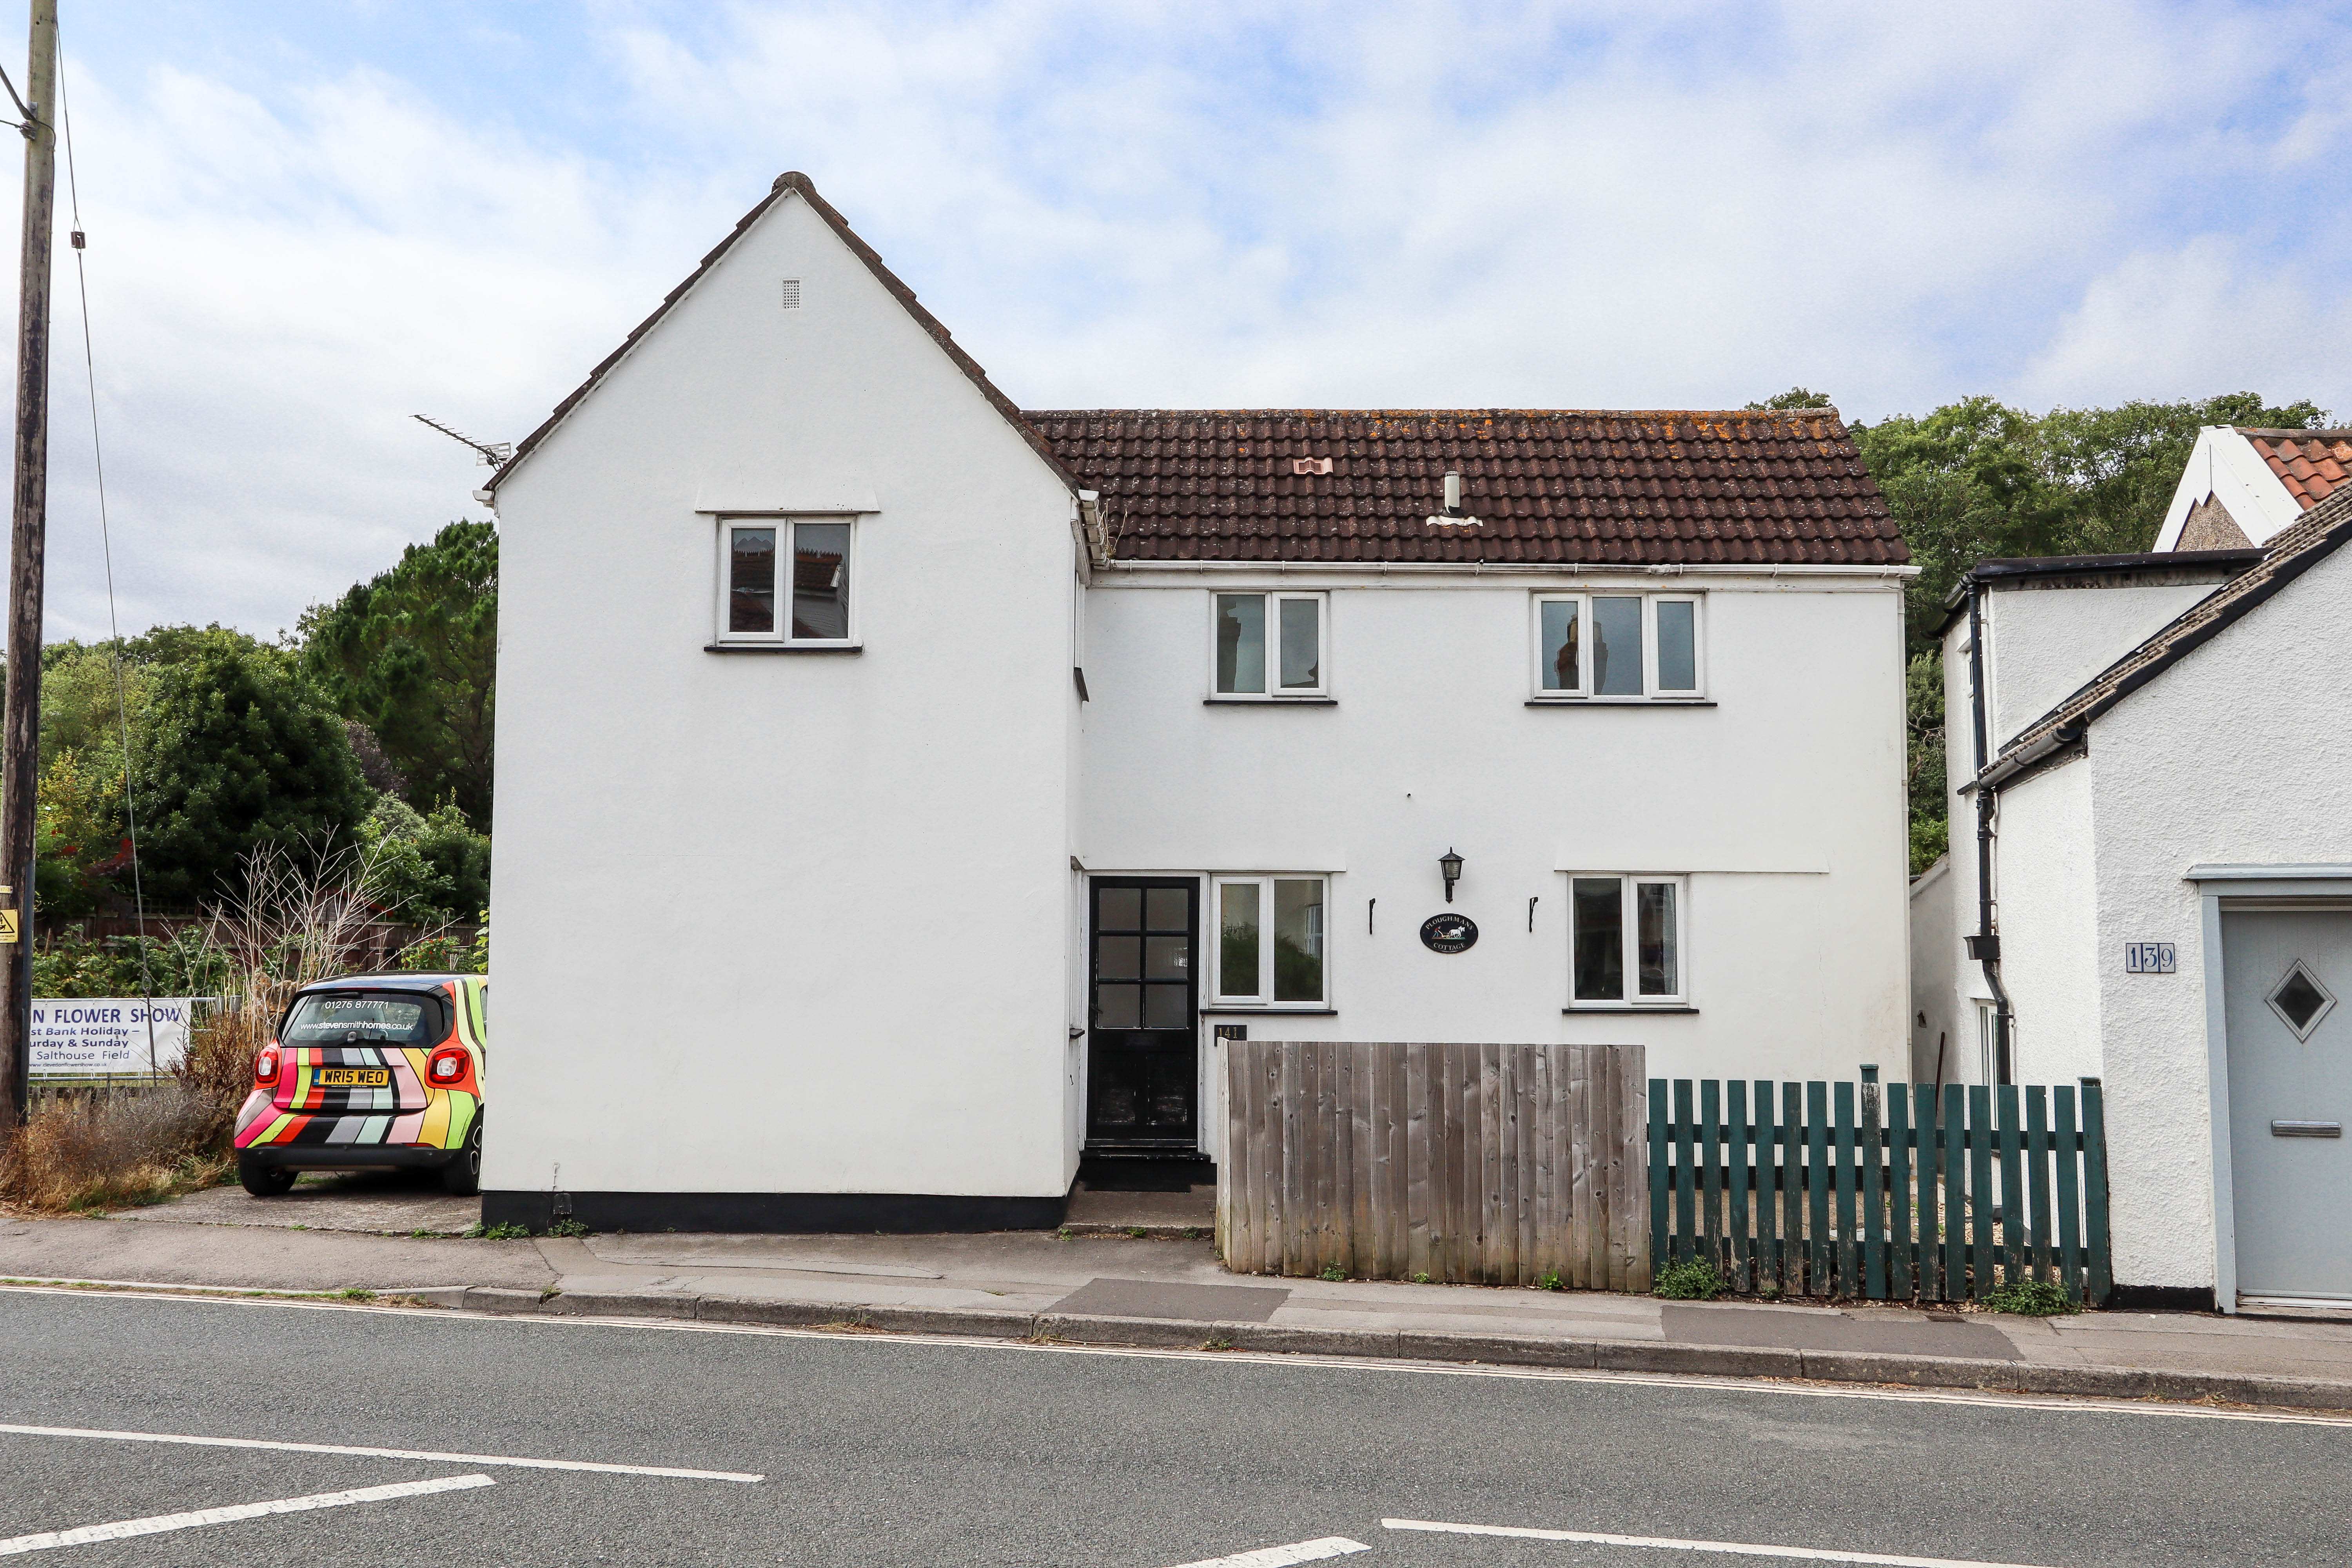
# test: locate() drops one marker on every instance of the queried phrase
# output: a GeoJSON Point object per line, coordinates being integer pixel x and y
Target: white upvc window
{"type": "Point", "coordinates": [1267, 647]}
{"type": "Point", "coordinates": [1270, 943]}
{"type": "Point", "coordinates": [1618, 648]}
{"type": "Point", "coordinates": [1628, 939]}
{"type": "Point", "coordinates": [786, 581]}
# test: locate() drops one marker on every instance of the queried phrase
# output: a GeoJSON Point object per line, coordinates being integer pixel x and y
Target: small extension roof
{"type": "Point", "coordinates": [1596, 487]}
{"type": "Point", "coordinates": [2009, 571]}
{"type": "Point", "coordinates": [2288, 556]}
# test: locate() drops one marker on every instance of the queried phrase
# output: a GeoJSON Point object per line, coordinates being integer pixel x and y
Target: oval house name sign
{"type": "Point", "coordinates": [1449, 934]}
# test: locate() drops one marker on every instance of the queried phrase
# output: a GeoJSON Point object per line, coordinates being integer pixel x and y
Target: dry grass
{"type": "Point", "coordinates": [111, 1151]}
{"type": "Point", "coordinates": [303, 916]}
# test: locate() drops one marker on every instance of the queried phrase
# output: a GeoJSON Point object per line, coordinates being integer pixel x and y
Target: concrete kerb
{"type": "Point", "coordinates": [1492, 1350]}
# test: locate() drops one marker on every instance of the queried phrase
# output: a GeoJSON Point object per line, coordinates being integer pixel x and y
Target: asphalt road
{"type": "Point", "coordinates": [881, 1452]}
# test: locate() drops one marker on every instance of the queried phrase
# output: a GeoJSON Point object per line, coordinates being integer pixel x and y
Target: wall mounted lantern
{"type": "Point", "coordinates": [1449, 865]}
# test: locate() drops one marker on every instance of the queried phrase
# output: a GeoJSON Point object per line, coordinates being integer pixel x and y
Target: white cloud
{"type": "Point", "coordinates": [2204, 319]}
{"type": "Point", "coordinates": [1221, 204]}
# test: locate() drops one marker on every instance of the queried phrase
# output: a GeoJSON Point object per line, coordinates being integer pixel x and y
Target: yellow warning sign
{"type": "Point", "coordinates": [7, 925]}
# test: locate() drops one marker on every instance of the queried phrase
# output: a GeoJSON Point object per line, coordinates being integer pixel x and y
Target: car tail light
{"type": "Point", "coordinates": [265, 1067]}
{"type": "Point", "coordinates": [446, 1067]}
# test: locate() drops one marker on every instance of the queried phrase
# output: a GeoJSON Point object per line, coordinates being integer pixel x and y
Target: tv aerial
{"type": "Point", "coordinates": [491, 453]}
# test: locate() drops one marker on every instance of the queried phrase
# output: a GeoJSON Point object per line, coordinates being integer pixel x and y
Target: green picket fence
{"type": "Point", "coordinates": [1881, 1192]}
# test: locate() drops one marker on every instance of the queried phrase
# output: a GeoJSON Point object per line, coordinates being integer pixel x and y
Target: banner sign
{"type": "Point", "coordinates": [107, 1035]}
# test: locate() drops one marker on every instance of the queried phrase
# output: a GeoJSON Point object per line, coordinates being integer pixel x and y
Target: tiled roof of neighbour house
{"type": "Point", "coordinates": [2289, 554]}
{"type": "Point", "coordinates": [1545, 485]}
{"type": "Point", "coordinates": [796, 184]}
{"type": "Point", "coordinates": [2312, 464]}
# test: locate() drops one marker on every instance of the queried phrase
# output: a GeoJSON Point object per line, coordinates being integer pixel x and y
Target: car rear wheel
{"type": "Point", "coordinates": [462, 1177]}
{"type": "Point", "coordinates": [262, 1179]}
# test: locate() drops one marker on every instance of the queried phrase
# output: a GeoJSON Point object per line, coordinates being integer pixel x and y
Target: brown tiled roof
{"type": "Point", "coordinates": [1588, 487]}
{"type": "Point", "coordinates": [2312, 464]}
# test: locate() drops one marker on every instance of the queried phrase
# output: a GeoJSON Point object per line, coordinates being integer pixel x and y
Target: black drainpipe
{"type": "Point", "coordinates": [1985, 945]}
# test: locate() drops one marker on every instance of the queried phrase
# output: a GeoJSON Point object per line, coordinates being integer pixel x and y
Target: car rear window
{"type": "Point", "coordinates": [366, 1018]}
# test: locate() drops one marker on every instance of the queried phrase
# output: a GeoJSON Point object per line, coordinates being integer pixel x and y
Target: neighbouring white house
{"type": "Point", "coordinates": [2149, 880]}
{"type": "Point", "coordinates": [900, 793]}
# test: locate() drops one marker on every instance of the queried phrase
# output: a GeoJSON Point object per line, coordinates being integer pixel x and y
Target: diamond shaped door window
{"type": "Point", "coordinates": [2301, 1001]}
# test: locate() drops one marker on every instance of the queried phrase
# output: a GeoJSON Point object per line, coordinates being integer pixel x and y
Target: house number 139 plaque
{"type": "Point", "coordinates": [1449, 934]}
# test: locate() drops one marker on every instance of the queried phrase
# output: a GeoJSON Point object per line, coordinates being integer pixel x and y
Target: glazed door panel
{"type": "Point", "coordinates": [1143, 1013]}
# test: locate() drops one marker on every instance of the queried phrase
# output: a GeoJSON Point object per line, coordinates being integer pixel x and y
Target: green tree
{"type": "Point", "coordinates": [1924, 773]}
{"type": "Point", "coordinates": [1978, 479]}
{"type": "Point", "coordinates": [2118, 468]}
{"type": "Point", "coordinates": [1795, 398]}
{"type": "Point", "coordinates": [238, 750]}
{"type": "Point", "coordinates": [413, 654]}
{"type": "Point", "coordinates": [430, 870]}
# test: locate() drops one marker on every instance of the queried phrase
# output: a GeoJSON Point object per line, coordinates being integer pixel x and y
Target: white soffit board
{"type": "Point", "coordinates": [2225, 465]}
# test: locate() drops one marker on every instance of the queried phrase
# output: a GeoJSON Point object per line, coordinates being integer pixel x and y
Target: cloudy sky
{"type": "Point", "coordinates": [309, 220]}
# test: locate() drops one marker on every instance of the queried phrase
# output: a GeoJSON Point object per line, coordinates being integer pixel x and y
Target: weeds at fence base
{"type": "Point", "coordinates": [1551, 1281]}
{"type": "Point", "coordinates": [2031, 1297]}
{"type": "Point", "coordinates": [110, 1151]}
{"type": "Point", "coordinates": [1692, 1280]}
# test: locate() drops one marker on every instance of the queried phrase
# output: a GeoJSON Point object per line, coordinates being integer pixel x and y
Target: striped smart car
{"type": "Point", "coordinates": [371, 1070]}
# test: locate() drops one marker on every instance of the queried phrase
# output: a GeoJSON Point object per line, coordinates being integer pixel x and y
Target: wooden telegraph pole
{"type": "Point", "coordinates": [20, 759]}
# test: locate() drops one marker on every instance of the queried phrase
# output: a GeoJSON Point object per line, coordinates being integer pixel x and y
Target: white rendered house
{"type": "Point", "coordinates": [900, 793]}
{"type": "Point", "coordinates": [2150, 884]}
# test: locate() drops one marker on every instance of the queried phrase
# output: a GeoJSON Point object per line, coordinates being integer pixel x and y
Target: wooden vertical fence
{"type": "Point", "coordinates": [1881, 1191]}
{"type": "Point", "coordinates": [1484, 1164]}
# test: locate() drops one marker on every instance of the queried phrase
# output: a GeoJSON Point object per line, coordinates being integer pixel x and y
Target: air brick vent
{"type": "Point", "coordinates": [792, 293]}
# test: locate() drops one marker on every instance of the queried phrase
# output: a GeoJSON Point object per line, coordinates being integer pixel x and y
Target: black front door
{"type": "Point", "coordinates": [1142, 1058]}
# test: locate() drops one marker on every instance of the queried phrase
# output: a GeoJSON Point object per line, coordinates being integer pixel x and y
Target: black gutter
{"type": "Point", "coordinates": [1985, 945]}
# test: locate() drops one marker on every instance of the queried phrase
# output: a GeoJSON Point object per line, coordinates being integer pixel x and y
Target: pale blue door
{"type": "Point", "coordinates": [2287, 987]}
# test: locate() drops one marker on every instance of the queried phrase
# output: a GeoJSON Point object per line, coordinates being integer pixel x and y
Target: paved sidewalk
{"type": "Point", "coordinates": [1165, 1289]}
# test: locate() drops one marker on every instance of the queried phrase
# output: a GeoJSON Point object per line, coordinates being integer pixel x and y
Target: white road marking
{"type": "Point", "coordinates": [2080, 1404]}
{"type": "Point", "coordinates": [1283, 1556]}
{"type": "Point", "coordinates": [123, 1529]}
{"type": "Point", "coordinates": [430, 1458]}
{"type": "Point", "coordinates": [1670, 1544]}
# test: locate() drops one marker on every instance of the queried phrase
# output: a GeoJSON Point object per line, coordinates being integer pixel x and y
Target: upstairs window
{"type": "Point", "coordinates": [1624, 648]}
{"type": "Point", "coordinates": [1267, 646]}
{"type": "Point", "coordinates": [785, 583]}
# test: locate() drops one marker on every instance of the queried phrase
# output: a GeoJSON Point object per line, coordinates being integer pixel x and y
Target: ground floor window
{"type": "Point", "coordinates": [1269, 947]}
{"type": "Point", "coordinates": [1993, 1053]}
{"type": "Point", "coordinates": [1627, 940]}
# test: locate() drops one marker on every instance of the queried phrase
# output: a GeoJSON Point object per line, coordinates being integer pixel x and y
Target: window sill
{"type": "Point", "coordinates": [1269, 702]}
{"type": "Point", "coordinates": [783, 647]}
{"type": "Point", "coordinates": [1269, 1012]}
{"type": "Point", "coordinates": [1618, 702]}
{"type": "Point", "coordinates": [1571, 1012]}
